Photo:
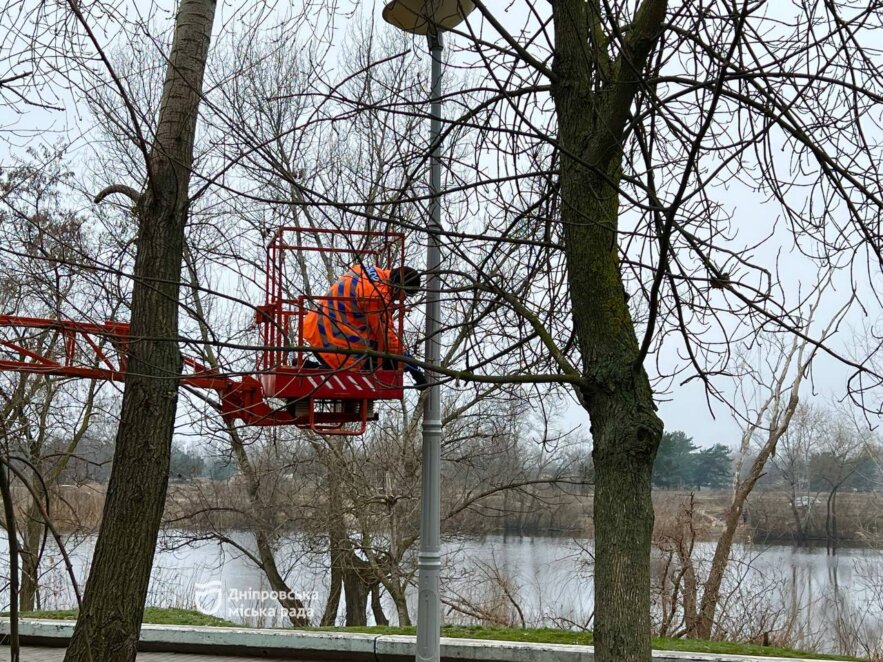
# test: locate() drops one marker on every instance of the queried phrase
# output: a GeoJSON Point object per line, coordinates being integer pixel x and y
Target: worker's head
{"type": "Point", "coordinates": [406, 280]}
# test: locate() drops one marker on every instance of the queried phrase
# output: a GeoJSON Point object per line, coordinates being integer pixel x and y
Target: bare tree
{"type": "Point", "coordinates": [842, 449]}
{"type": "Point", "coordinates": [44, 418]}
{"type": "Point", "coordinates": [607, 133]}
{"type": "Point", "coordinates": [792, 462]}
{"type": "Point", "coordinates": [113, 603]}
{"type": "Point", "coordinates": [589, 233]}
{"type": "Point", "coordinates": [779, 395]}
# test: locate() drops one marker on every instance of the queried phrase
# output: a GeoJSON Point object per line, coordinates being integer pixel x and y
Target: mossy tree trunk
{"type": "Point", "coordinates": [113, 602]}
{"type": "Point", "coordinates": [593, 93]}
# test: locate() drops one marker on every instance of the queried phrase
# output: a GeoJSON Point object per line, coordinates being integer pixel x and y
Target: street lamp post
{"type": "Point", "coordinates": [429, 557]}
{"type": "Point", "coordinates": [431, 18]}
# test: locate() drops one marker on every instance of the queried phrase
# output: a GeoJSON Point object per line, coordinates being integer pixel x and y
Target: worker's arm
{"type": "Point", "coordinates": [382, 324]}
{"type": "Point", "coordinates": [419, 377]}
{"type": "Point", "coordinates": [381, 321]}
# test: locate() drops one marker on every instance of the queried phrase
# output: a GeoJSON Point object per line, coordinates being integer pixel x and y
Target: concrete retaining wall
{"type": "Point", "coordinates": [313, 646]}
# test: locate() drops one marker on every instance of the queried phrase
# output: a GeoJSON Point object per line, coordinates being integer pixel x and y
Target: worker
{"type": "Point", "coordinates": [358, 313]}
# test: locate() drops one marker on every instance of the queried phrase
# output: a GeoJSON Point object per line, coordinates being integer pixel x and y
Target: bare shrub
{"type": "Point", "coordinates": [490, 596]}
{"type": "Point", "coordinates": [867, 632]}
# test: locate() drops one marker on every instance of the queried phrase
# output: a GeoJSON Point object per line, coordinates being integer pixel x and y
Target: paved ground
{"type": "Point", "coordinates": [57, 655]}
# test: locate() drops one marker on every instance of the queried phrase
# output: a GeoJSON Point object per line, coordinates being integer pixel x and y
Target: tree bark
{"type": "Point", "coordinates": [347, 569]}
{"type": "Point", "coordinates": [593, 97]}
{"type": "Point", "coordinates": [329, 616]}
{"type": "Point", "coordinates": [355, 593]}
{"type": "Point", "coordinates": [702, 627]}
{"type": "Point", "coordinates": [30, 559]}
{"type": "Point", "coordinates": [14, 554]}
{"type": "Point", "coordinates": [684, 545]}
{"type": "Point", "coordinates": [113, 602]}
{"type": "Point", "coordinates": [401, 605]}
{"type": "Point", "coordinates": [377, 606]}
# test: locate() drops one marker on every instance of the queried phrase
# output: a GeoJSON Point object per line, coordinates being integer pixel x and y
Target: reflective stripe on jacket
{"type": "Point", "coordinates": [356, 313]}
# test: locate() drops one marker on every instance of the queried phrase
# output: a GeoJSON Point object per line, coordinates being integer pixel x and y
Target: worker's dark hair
{"type": "Point", "coordinates": [407, 279]}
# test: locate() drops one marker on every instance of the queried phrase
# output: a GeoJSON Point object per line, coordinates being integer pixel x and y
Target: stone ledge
{"type": "Point", "coordinates": [314, 645]}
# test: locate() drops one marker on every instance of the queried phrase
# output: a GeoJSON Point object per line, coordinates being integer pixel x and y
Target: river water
{"type": "Point", "coordinates": [796, 596]}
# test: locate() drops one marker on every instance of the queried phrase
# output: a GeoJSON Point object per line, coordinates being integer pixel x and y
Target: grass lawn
{"type": "Point", "coordinates": [548, 636]}
{"type": "Point", "coordinates": [545, 636]}
{"type": "Point", "coordinates": [153, 615]}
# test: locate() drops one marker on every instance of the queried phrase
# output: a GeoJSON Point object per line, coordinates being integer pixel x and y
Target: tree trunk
{"type": "Point", "coordinates": [338, 542]}
{"type": "Point", "coordinates": [685, 541]}
{"type": "Point", "coordinates": [113, 602]}
{"type": "Point", "coordinates": [30, 559]}
{"type": "Point", "coordinates": [711, 591]}
{"type": "Point", "coordinates": [593, 98]}
{"type": "Point", "coordinates": [37, 526]}
{"type": "Point", "coordinates": [836, 535]}
{"type": "Point", "coordinates": [401, 604]}
{"type": "Point", "coordinates": [798, 519]}
{"type": "Point", "coordinates": [294, 608]}
{"type": "Point", "coordinates": [377, 607]}
{"type": "Point", "coordinates": [392, 580]}
{"type": "Point", "coordinates": [831, 523]}
{"type": "Point", "coordinates": [355, 575]}
{"type": "Point", "coordinates": [297, 613]}
{"type": "Point", "coordinates": [329, 617]}
{"type": "Point", "coordinates": [624, 450]}
{"type": "Point", "coordinates": [355, 592]}
{"type": "Point", "coordinates": [14, 557]}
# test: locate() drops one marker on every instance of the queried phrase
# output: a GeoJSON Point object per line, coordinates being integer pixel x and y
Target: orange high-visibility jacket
{"type": "Point", "coordinates": [358, 314]}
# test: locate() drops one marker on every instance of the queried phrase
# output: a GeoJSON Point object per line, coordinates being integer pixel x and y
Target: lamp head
{"type": "Point", "coordinates": [426, 16]}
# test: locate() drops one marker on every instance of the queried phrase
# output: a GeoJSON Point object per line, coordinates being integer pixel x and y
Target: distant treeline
{"type": "Point", "coordinates": [805, 497]}
{"type": "Point", "coordinates": [549, 511]}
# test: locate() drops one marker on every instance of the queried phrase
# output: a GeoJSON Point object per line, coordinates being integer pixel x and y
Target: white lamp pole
{"type": "Point", "coordinates": [432, 18]}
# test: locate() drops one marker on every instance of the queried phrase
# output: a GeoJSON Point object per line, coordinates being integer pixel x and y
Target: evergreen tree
{"type": "Point", "coordinates": [712, 467]}
{"type": "Point", "coordinates": [680, 463]}
{"type": "Point", "coordinates": [674, 461]}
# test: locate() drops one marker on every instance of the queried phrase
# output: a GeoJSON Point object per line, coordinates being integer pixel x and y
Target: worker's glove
{"type": "Point", "coordinates": [420, 381]}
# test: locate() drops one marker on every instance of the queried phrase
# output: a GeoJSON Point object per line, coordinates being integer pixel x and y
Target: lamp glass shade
{"type": "Point", "coordinates": [423, 16]}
